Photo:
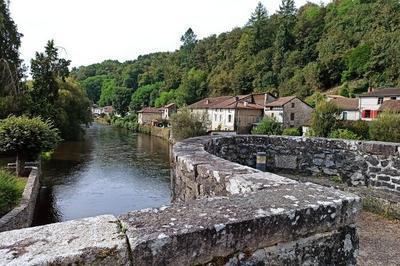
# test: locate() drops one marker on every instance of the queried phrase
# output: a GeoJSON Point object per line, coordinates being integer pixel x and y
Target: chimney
{"type": "Point", "coordinates": [245, 104]}
{"type": "Point", "coordinates": [370, 89]}
{"type": "Point", "coordinates": [207, 101]}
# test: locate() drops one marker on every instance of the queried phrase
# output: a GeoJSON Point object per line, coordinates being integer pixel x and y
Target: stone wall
{"type": "Point", "coordinates": [22, 215]}
{"type": "Point", "coordinates": [373, 164]}
{"type": "Point", "coordinates": [223, 213]}
{"type": "Point", "coordinates": [160, 132]}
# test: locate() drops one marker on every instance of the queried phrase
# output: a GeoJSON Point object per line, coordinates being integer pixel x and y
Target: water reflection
{"type": "Point", "coordinates": [111, 171]}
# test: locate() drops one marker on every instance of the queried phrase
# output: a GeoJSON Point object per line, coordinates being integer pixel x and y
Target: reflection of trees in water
{"type": "Point", "coordinates": [153, 145]}
{"type": "Point", "coordinates": [47, 205]}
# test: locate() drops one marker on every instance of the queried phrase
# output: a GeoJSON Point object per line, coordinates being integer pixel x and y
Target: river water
{"type": "Point", "coordinates": [111, 171]}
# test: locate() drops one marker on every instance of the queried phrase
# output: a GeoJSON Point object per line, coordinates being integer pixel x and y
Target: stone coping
{"type": "Point", "coordinates": [22, 215]}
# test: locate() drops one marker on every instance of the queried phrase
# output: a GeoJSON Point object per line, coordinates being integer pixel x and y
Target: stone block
{"type": "Point", "coordinates": [286, 161]}
{"type": "Point", "coordinates": [92, 241]}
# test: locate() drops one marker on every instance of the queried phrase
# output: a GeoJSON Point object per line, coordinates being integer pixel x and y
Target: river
{"type": "Point", "coordinates": [111, 171]}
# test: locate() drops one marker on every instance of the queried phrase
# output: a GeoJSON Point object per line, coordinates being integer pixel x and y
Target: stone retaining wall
{"type": "Point", "coordinates": [22, 215]}
{"type": "Point", "coordinates": [374, 164]}
{"type": "Point", "coordinates": [223, 213]}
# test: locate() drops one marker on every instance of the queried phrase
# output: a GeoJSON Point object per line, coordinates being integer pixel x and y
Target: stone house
{"type": "Point", "coordinates": [232, 113]}
{"type": "Point", "coordinates": [390, 105]}
{"type": "Point", "coordinates": [149, 115]}
{"type": "Point", "coordinates": [371, 101]}
{"type": "Point", "coordinates": [152, 116]}
{"type": "Point", "coordinates": [349, 108]}
{"type": "Point", "coordinates": [290, 111]}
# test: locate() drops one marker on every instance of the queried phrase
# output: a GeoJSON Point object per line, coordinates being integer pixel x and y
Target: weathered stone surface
{"type": "Point", "coordinates": [213, 228]}
{"type": "Point", "coordinates": [356, 162]}
{"type": "Point", "coordinates": [93, 241]}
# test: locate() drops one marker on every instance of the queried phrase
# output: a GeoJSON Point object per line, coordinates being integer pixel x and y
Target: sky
{"type": "Point", "coordinates": [91, 31]}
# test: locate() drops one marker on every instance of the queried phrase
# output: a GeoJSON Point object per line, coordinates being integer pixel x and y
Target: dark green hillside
{"type": "Point", "coordinates": [352, 44]}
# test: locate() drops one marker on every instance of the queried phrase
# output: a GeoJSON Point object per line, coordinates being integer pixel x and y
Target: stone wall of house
{"type": "Point", "coordinates": [22, 215]}
{"type": "Point", "coordinates": [373, 164]}
{"type": "Point", "coordinates": [302, 113]}
{"type": "Point", "coordinates": [223, 213]}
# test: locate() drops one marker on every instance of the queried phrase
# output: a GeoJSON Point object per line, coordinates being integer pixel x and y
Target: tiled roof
{"type": "Point", "coordinates": [226, 102]}
{"type": "Point", "coordinates": [280, 101]}
{"type": "Point", "coordinates": [149, 110]}
{"type": "Point", "coordinates": [382, 92]}
{"type": "Point", "coordinates": [390, 105]}
{"type": "Point", "coordinates": [350, 104]}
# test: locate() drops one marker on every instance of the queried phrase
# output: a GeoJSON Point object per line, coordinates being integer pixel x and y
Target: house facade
{"type": "Point", "coordinates": [349, 108]}
{"type": "Point", "coordinates": [232, 113]}
{"type": "Point", "coordinates": [290, 111]}
{"type": "Point", "coordinates": [371, 102]}
{"type": "Point", "coordinates": [168, 110]}
{"type": "Point", "coordinates": [149, 115]}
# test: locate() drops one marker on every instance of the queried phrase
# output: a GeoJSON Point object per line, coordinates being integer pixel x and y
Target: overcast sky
{"type": "Point", "coordinates": [91, 31]}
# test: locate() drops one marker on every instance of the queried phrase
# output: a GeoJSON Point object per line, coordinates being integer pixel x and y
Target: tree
{"type": "Point", "coordinates": [143, 96]}
{"type": "Point", "coordinates": [73, 110]}
{"type": "Point", "coordinates": [186, 124]}
{"type": "Point", "coordinates": [258, 23]}
{"type": "Point", "coordinates": [26, 138]}
{"type": "Point", "coordinates": [386, 127]}
{"type": "Point", "coordinates": [189, 39]}
{"type": "Point", "coordinates": [324, 119]}
{"type": "Point", "coordinates": [10, 42]}
{"type": "Point", "coordinates": [122, 100]}
{"type": "Point", "coordinates": [268, 126]}
{"type": "Point", "coordinates": [46, 68]}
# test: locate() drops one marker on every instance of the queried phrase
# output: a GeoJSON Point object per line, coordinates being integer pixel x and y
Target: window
{"type": "Point", "coordinates": [215, 117]}
{"type": "Point", "coordinates": [367, 114]}
{"type": "Point", "coordinates": [229, 118]}
{"type": "Point", "coordinates": [272, 114]}
{"type": "Point", "coordinates": [344, 115]}
{"type": "Point", "coordinates": [393, 98]}
{"type": "Point", "coordinates": [292, 105]}
{"type": "Point", "coordinates": [220, 118]}
{"type": "Point", "coordinates": [292, 116]}
{"type": "Point", "coordinates": [380, 100]}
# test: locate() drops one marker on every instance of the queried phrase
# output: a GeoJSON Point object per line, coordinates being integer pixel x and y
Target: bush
{"type": "Point", "coordinates": [343, 134]}
{"type": "Point", "coordinates": [268, 126]}
{"type": "Point", "coordinates": [294, 131]}
{"type": "Point", "coordinates": [386, 127]}
{"type": "Point", "coordinates": [10, 191]}
{"type": "Point", "coordinates": [186, 124]}
{"type": "Point", "coordinates": [359, 127]}
{"type": "Point", "coordinates": [324, 119]}
{"type": "Point", "coordinates": [129, 122]}
{"type": "Point", "coordinates": [27, 137]}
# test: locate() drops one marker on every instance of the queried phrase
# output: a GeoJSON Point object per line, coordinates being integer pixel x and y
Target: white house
{"type": "Point", "coordinates": [232, 113]}
{"type": "Point", "coordinates": [371, 102]}
{"type": "Point", "coordinates": [349, 108]}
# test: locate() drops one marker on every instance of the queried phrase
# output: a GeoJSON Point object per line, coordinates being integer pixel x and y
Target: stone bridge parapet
{"type": "Point", "coordinates": [223, 213]}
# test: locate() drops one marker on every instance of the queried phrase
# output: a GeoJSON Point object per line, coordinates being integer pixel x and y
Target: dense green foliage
{"type": "Point", "coordinates": [56, 97]}
{"type": "Point", "coordinates": [127, 122]}
{"type": "Point", "coordinates": [291, 132]}
{"type": "Point", "coordinates": [324, 119]}
{"type": "Point", "coordinates": [186, 124]}
{"type": "Point", "coordinates": [268, 126]}
{"type": "Point", "coordinates": [11, 70]}
{"type": "Point", "coordinates": [121, 100]}
{"type": "Point", "coordinates": [386, 127]}
{"type": "Point", "coordinates": [350, 44]}
{"type": "Point", "coordinates": [27, 137]}
{"type": "Point", "coordinates": [343, 134]}
{"type": "Point", "coordinates": [359, 127]}
{"type": "Point", "coordinates": [10, 191]}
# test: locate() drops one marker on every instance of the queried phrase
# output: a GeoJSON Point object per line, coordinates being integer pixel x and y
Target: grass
{"type": "Point", "coordinates": [11, 189]}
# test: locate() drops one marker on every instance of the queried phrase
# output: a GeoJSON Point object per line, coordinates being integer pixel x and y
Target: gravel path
{"type": "Point", "coordinates": [379, 240]}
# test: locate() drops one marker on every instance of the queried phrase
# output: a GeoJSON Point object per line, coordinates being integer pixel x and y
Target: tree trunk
{"type": "Point", "coordinates": [19, 165]}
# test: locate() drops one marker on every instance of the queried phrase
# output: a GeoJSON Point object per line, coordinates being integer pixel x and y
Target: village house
{"type": "Point", "coordinates": [371, 102]}
{"type": "Point", "coordinates": [391, 106]}
{"type": "Point", "coordinates": [290, 111]}
{"type": "Point", "coordinates": [153, 116]}
{"type": "Point", "coordinates": [97, 111]}
{"type": "Point", "coordinates": [349, 108]}
{"type": "Point", "coordinates": [232, 113]}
